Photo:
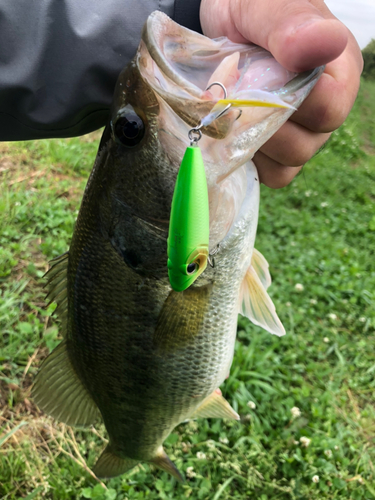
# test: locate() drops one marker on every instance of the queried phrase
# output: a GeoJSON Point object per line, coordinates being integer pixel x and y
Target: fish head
{"type": "Point", "coordinates": [159, 97]}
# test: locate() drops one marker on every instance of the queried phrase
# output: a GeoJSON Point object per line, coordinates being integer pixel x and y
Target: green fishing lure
{"type": "Point", "coordinates": [189, 222]}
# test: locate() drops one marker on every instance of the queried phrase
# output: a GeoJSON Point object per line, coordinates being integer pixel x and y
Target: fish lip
{"type": "Point", "coordinates": [156, 26]}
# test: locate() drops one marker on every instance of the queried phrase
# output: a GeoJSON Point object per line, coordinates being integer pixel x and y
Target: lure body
{"type": "Point", "coordinates": [188, 236]}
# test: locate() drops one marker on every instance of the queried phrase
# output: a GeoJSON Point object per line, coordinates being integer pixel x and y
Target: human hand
{"type": "Point", "coordinates": [301, 35]}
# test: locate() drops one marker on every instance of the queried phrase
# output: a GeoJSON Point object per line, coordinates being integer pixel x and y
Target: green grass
{"type": "Point", "coordinates": [319, 232]}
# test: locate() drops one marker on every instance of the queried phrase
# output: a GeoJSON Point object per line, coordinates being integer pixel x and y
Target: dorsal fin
{"type": "Point", "coordinates": [255, 304]}
{"type": "Point", "coordinates": [57, 287]}
{"type": "Point", "coordinates": [59, 392]}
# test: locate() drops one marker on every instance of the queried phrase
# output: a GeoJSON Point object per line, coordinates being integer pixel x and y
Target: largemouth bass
{"type": "Point", "coordinates": [135, 352]}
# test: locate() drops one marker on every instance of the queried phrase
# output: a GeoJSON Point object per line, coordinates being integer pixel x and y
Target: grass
{"type": "Point", "coordinates": [319, 234]}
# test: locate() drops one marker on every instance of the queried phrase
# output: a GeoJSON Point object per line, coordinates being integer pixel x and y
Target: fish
{"type": "Point", "coordinates": [136, 353]}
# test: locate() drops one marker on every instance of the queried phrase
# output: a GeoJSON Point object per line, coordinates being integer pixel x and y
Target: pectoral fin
{"type": "Point", "coordinates": [181, 318]}
{"type": "Point", "coordinates": [215, 406]}
{"type": "Point", "coordinates": [256, 304]}
{"type": "Point", "coordinates": [111, 465]}
{"type": "Point", "coordinates": [59, 392]}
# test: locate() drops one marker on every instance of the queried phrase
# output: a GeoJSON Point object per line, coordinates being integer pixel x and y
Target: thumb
{"type": "Point", "coordinates": [301, 34]}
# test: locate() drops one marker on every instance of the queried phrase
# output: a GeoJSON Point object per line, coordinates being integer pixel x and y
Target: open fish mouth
{"type": "Point", "coordinates": [180, 64]}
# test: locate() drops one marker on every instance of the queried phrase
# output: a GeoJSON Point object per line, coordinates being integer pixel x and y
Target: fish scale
{"type": "Point", "coordinates": [136, 353]}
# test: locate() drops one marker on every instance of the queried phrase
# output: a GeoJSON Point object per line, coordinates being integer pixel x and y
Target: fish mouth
{"type": "Point", "coordinates": [180, 64]}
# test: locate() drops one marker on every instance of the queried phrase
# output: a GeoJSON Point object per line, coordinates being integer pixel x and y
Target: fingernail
{"type": "Point", "coordinates": [309, 22]}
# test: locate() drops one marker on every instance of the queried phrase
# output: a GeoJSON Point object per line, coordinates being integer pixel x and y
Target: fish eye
{"type": "Point", "coordinates": [129, 130]}
{"type": "Point", "coordinates": [192, 267]}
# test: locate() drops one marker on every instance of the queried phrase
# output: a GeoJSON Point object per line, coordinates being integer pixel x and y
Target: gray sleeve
{"type": "Point", "coordinates": [59, 60]}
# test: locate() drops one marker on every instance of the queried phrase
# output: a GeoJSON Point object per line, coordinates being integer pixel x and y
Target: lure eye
{"type": "Point", "coordinates": [191, 268]}
{"type": "Point", "coordinates": [129, 130]}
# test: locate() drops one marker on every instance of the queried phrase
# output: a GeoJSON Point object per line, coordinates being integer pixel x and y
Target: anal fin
{"type": "Point", "coordinates": [215, 406]}
{"type": "Point", "coordinates": [111, 465]}
{"type": "Point", "coordinates": [59, 392]}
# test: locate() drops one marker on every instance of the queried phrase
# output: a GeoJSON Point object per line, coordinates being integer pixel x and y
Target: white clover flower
{"type": "Point", "coordinates": [296, 442]}
{"type": "Point", "coordinates": [17, 204]}
{"type": "Point", "coordinates": [224, 440]}
{"type": "Point", "coordinates": [201, 455]}
{"type": "Point", "coordinates": [313, 302]}
{"type": "Point", "coordinates": [362, 319]}
{"type": "Point", "coordinates": [288, 304]}
{"type": "Point", "coordinates": [190, 472]}
{"type": "Point", "coordinates": [299, 287]}
{"type": "Point", "coordinates": [332, 316]}
{"type": "Point", "coordinates": [326, 340]}
{"type": "Point", "coordinates": [315, 479]}
{"type": "Point", "coordinates": [305, 441]}
{"type": "Point", "coordinates": [336, 447]}
{"type": "Point", "coordinates": [296, 412]}
{"type": "Point", "coordinates": [328, 453]}
{"type": "Point", "coordinates": [211, 444]}
{"type": "Point", "coordinates": [193, 425]}
{"type": "Point", "coordinates": [324, 204]}
{"type": "Point", "coordinates": [307, 193]}
{"type": "Point", "coordinates": [251, 405]}
{"type": "Point", "coordinates": [236, 467]}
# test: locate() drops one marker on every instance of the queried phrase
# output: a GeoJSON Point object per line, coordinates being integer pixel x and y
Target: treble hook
{"type": "Point", "coordinates": [196, 130]}
{"type": "Point", "coordinates": [211, 255]}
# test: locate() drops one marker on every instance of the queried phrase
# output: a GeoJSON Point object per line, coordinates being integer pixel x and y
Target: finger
{"type": "Point", "coordinates": [300, 35]}
{"type": "Point", "coordinates": [273, 174]}
{"type": "Point", "coordinates": [293, 145]}
{"type": "Point", "coordinates": [332, 98]}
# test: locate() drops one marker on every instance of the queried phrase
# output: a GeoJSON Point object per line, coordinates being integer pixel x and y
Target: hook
{"type": "Point", "coordinates": [196, 130]}
{"type": "Point", "coordinates": [220, 85]}
{"type": "Point", "coordinates": [210, 258]}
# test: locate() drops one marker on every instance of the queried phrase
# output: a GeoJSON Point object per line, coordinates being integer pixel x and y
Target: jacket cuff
{"type": "Point", "coordinates": [186, 13]}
